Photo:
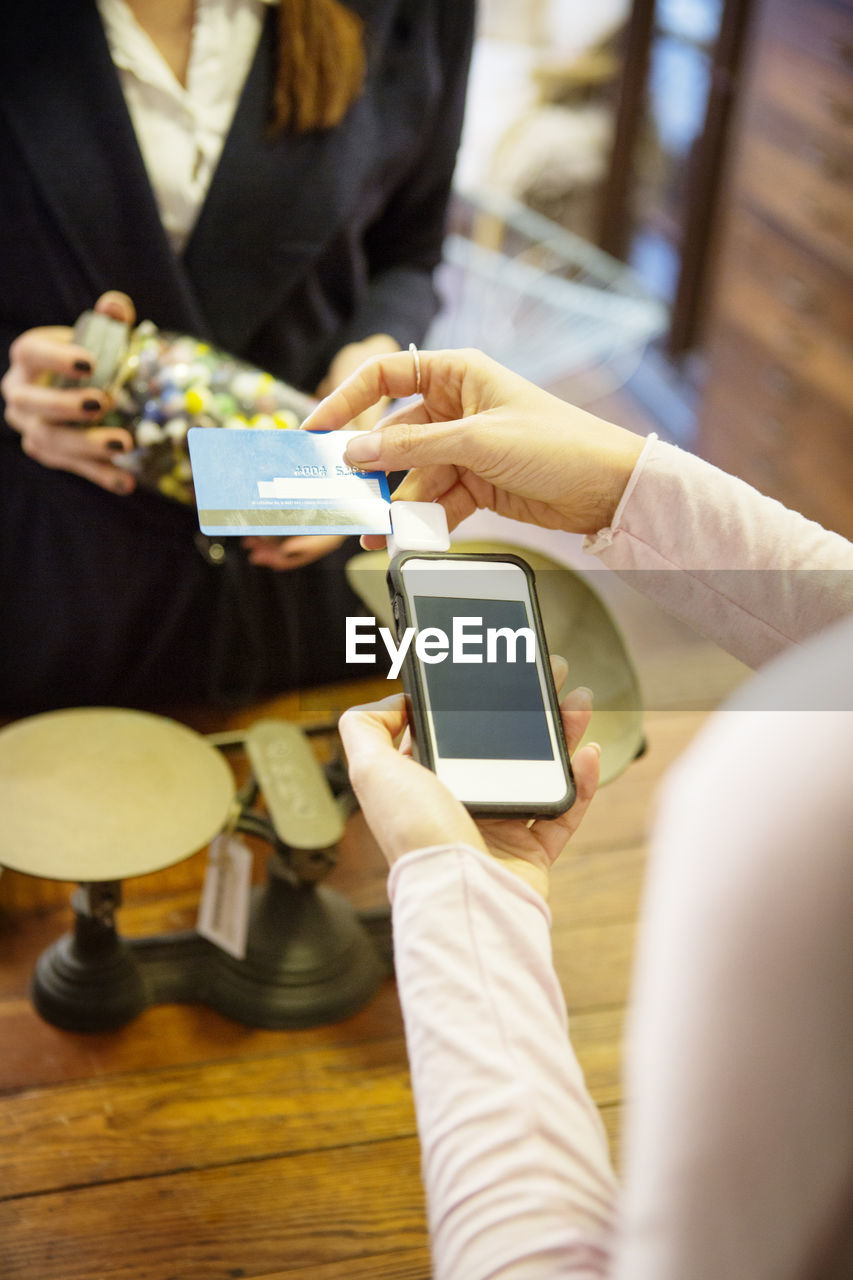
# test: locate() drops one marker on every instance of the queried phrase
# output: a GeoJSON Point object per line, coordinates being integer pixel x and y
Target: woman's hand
{"type": "Point", "coordinates": [482, 436]}
{"type": "Point", "coordinates": [346, 362]}
{"type": "Point", "coordinates": [54, 422]}
{"type": "Point", "coordinates": [407, 807]}
{"type": "Point", "coordinates": [291, 553]}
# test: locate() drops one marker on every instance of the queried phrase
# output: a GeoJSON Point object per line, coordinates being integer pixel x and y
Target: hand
{"type": "Point", "coordinates": [291, 553]}
{"type": "Point", "coordinates": [482, 436]}
{"type": "Point", "coordinates": [407, 807]}
{"type": "Point", "coordinates": [345, 363]}
{"type": "Point", "coordinates": [43, 414]}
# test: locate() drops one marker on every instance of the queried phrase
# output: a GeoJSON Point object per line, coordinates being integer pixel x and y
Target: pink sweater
{"type": "Point", "coordinates": [739, 1141]}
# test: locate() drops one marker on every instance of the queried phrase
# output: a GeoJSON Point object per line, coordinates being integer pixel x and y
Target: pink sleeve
{"type": "Point", "coordinates": [735, 565]}
{"type": "Point", "coordinates": [514, 1155]}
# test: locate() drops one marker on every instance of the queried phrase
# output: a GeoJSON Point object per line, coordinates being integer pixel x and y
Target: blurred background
{"type": "Point", "coordinates": [705, 147]}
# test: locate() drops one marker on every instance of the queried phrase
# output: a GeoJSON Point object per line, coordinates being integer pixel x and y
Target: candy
{"type": "Point", "coordinates": [245, 386]}
{"type": "Point", "coordinates": [197, 400]}
{"type": "Point", "coordinates": [152, 410]}
{"type": "Point", "coordinates": [148, 433]}
{"type": "Point", "coordinates": [200, 374]}
{"type": "Point", "coordinates": [179, 375]}
{"type": "Point", "coordinates": [168, 383]}
{"type": "Point", "coordinates": [176, 429]}
{"type": "Point", "coordinates": [224, 405]}
{"type": "Point", "coordinates": [285, 421]}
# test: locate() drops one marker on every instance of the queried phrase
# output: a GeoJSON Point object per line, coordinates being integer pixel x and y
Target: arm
{"type": "Point", "coordinates": [514, 1155]}
{"type": "Point", "coordinates": [515, 1159]}
{"type": "Point", "coordinates": [737, 566]}
{"type": "Point", "coordinates": [734, 564]}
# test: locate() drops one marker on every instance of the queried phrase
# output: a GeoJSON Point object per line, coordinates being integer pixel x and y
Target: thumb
{"type": "Point", "coordinates": [380, 378]}
{"type": "Point", "coordinates": [406, 806]}
{"type": "Point", "coordinates": [116, 304]}
{"type": "Point", "coordinates": [404, 445]}
{"type": "Point", "coordinates": [371, 729]}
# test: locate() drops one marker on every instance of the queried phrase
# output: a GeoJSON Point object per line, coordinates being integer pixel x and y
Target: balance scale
{"type": "Point", "coordinates": [96, 795]}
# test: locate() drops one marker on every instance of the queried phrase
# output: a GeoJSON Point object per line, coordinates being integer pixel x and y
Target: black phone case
{"type": "Point", "coordinates": [413, 687]}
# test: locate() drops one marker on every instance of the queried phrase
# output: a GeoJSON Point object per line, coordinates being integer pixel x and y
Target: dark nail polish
{"type": "Point", "coordinates": [91, 406]}
{"type": "Point", "coordinates": [116, 446]}
{"type": "Point", "coordinates": [83, 366]}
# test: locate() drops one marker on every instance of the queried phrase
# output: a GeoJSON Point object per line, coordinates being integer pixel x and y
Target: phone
{"type": "Point", "coordinates": [482, 706]}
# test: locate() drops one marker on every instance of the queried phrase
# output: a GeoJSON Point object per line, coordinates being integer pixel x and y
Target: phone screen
{"type": "Point", "coordinates": [484, 710]}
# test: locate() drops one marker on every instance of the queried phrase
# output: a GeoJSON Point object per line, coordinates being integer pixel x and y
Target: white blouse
{"type": "Point", "coordinates": [181, 130]}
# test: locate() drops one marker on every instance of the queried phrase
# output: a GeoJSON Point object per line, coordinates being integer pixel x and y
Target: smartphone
{"type": "Point", "coordinates": [482, 706]}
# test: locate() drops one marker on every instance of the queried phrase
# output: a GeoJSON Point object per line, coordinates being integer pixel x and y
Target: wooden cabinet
{"type": "Point", "coordinates": [777, 407]}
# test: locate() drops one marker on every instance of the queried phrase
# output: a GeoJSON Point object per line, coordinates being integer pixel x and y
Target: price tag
{"type": "Point", "coordinates": [223, 914]}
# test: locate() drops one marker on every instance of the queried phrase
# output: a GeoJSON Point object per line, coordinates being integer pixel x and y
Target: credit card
{"type": "Point", "coordinates": [283, 482]}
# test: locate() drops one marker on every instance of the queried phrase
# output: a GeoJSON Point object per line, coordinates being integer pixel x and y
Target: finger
{"type": "Point", "coordinates": [290, 553]}
{"type": "Point", "coordinates": [268, 556]}
{"type": "Point", "coordinates": [434, 484]}
{"type": "Point", "coordinates": [559, 669]}
{"type": "Point", "coordinates": [429, 484]}
{"type": "Point", "coordinates": [575, 712]}
{"type": "Point", "coordinates": [274, 553]}
{"type": "Point", "coordinates": [106, 476]}
{"type": "Point", "coordinates": [390, 376]}
{"type": "Point", "coordinates": [58, 444]}
{"type": "Point", "coordinates": [56, 405]}
{"type": "Point", "coordinates": [372, 727]}
{"type": "Point", "coordinates": [49, 349]}
{"type": "Point", "coordinates": [411, 444]}
{"type": "Point", "coordinates": [411, 411]}
{"type": "Point", "coordinates": [555, 833]}
{"type": "Point", "coordinates": [367, 421]}
{"type": "Point", "coordinates": [372, 541]}
{"type": "Point", "coordinates": [109, 443]}
{"type": "Point", "coordinates": [405, 805]}
{"type": "Point", "coordinates": [99, 471]}
{"type": "Point", "coordinates": [116, 304]}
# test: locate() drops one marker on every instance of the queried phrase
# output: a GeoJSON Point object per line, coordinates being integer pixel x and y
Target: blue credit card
{"type": "Point", "coordinates": [283, 482]}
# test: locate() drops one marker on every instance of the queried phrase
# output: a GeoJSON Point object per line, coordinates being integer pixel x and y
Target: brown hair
{"type": "Point", "coordinates": [321, 64]}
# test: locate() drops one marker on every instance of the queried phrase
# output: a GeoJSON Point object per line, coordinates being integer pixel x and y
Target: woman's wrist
{"type": "Point", "coordinates": [536, 877]}
{"type": "Point", "coordinates": [610, 461]}
{"type": "Point", "coordinates": [626, 455]}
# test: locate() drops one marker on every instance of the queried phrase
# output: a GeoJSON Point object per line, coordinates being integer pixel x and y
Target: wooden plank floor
{"type": "Point", "coordinates": [188, 1147]}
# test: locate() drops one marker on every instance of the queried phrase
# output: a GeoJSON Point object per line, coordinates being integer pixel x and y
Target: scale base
{"type": "Point", "coordinates": [310, 960]}
{"type": "Point", "coordinates": [88, 990]}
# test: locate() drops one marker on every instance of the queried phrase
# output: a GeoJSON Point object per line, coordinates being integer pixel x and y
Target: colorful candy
{"type": "Point", "coordinates": [171, 382]}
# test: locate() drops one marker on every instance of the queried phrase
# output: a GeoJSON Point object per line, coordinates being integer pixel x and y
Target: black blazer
{"type": "Point", "coordinates": [303, 244]}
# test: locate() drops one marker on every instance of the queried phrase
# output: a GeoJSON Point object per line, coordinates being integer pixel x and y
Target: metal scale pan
{"type": "Point", "coordinates": [102, 794]}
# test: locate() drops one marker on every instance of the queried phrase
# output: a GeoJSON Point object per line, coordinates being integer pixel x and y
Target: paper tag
{"type": "Point", "coordinates": [223, 914]}
{"type": "Point", "coordinates": [283, 482]}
